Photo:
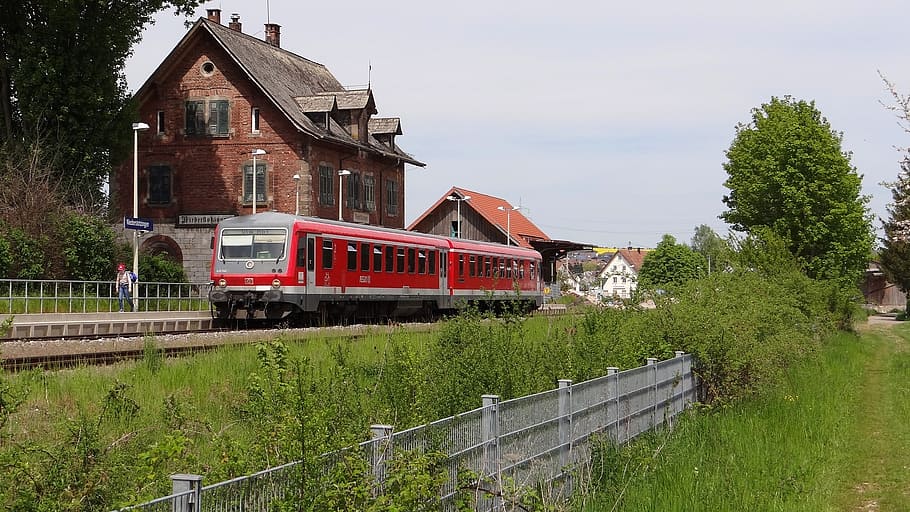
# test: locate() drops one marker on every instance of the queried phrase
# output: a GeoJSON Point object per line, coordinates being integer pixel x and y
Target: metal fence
{"type": "Point", "coordinates": [514, 444]}
{"type": "Point", "coordinates": [40, 296]}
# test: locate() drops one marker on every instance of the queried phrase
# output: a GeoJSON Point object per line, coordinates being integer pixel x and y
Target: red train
{"type": "Point", "coordinates": [275, 266]}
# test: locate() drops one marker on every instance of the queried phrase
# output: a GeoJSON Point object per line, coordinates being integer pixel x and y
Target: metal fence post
{"type": "Point", "coordinates": [565, 422]}
{"type": "Point", "coordinates": [381, 450]}
{"type": "Point", "coordinates": [681, 379]}
{"type": "Point", "coordinates": [181, 483]}
{"type": "Point", "coordinates": [652, 362]}
{"type": "Point", "coordinates": [491, 467]}
{"type": "Point", "coordinates": [613, 396]}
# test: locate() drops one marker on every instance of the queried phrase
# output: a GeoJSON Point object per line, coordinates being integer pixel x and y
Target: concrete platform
{"type": "Point", "coordinates": [55, 325]}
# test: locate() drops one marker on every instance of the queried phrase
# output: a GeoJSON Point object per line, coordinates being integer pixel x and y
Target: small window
{"type": "Point", "coordinates": [422, 261]}
{"type": "Point", "coordinates": [389, 258]}
{"type": "Point", "coordinates": [369, 196]}
{"type": "Point", "coordinates": [391, 188]}
{"type": "Point", "coordinates": [454, 231]}
{"type": "Point", "coordinates": [431, 263]}
{"type": "Point", "coordinates": [364, 257]}
{"type": "Point", "coordinates": [254, 119]}
{"type": "Point", "coordinates": [207, 68]}
{"type": "Point", "coordinates": [310, 254]}
{"type": "Point", "coordinates": [159, 185]}
{"type": "Point", "coordinates": [326, 185]}
{"type": "Point", "coordinates": [160, 122]}
{"type": "Point", "coordinates": [261, 172]}
{"type": "Point", "coordinates": [377, 258]}
{"type": "Point", "coordinates": [352, 255]}
{"type": "Point", "coordinates": [327, 254]}
{"type": "Point", "coordinates": [472, 266]}
{"type": "Point", "coordinates": [301, 250]}
{"type": "Point", "coordinates": [400, 260]}
{"type": "Point", "coordinates": [412, 256]}
{"type": "Point", "coordinates": [488, 263]}
{"type": "Point", "coordinates": [461, 266]}
{"type": "Point", "coordinates": [218, 118]}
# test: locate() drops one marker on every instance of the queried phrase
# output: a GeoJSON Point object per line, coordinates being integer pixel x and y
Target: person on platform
{"type": "Point", "coordinates": [124, 282]}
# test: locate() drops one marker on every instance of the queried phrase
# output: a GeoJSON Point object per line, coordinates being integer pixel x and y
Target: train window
{"type": "Point", "coordinates": [472, 266]}
{"type": "Point", "coordinates": [487, 265]}
{"type": "Point", "coordinates": [514, 269]}
{"type": "Point", "coordinates": [352, 255]}
{"type": "Point", "coordinates": [389, 258]}
{"type": "Point", "coordinates": [301, 250]}
{"type": "Point", "coordinates": [411, 257]}
{"type": "Point", "coordinates": [265, 244]}
{"type": "Point", "coordinates": [422, 261]}
{"type": "Point", "coordinates": [443, 264]}
{"type": "Point", "coordinates": [521, 269]}
{"type": "Point", "coordinates": [461, 266]}
{"type": "Point", "coordinates": [508, 272]}
{"type": "Point", "coordinates": [400, 260]}
{"type": "Point", "coordinates": [431, 263]}
{"type": "Point", "coordinates": [502, 268]}
{"type": "Point", "coordinates": [364, 257]}
{"type": "Point", "coordinates": [310, 254]}
{"type": "Point", "coordinates": [328, 250]}
{"type": "Point", "coordinates": [377, 258]}
{"type": "Point", "coordinates": [531, 270]}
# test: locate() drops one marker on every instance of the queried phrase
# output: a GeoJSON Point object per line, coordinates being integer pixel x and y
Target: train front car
{"type": "Point", "coordinates": [253, 267]}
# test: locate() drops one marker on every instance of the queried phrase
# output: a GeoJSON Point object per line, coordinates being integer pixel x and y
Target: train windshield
{"type": "Point", "coordinates": [257, 244]}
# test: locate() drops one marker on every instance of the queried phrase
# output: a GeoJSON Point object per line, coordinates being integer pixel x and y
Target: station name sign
{"type": "Point", "coordinates": [202, 220]}
{"type": "Point", "coordinates": [137, 223]}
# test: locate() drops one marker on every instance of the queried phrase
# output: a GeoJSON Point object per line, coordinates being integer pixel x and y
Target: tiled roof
{"type": "Point", "coordinates": [289, 81]}
{"type": "Point", "coordinates": [309, 104]}
{"type": "Point", "coordinates": [385, 125]}
{"type": "Point", "coordinates": [519, 227]}
{"type": "Point", "coordinates": [633, 256]}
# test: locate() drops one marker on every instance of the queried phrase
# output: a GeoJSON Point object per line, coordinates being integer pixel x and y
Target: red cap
{"type": "Point", "coordinates": [121, 267]}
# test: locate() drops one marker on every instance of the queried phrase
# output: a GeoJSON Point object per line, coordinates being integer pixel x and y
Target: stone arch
{"type": "Point", "coordinates": [160, 244]}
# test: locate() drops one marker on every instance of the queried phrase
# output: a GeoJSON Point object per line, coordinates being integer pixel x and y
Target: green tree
{"type": "Point", "coordinates": [895, 253]}
{"type": "Point", "coordinates": [62, 80]}
{"type": "Point", "coordinates": [670, 263]}
{"type": "Point", "coordinates": [710, 245]}
{"type": "Point", "coordinates": [787, 172]}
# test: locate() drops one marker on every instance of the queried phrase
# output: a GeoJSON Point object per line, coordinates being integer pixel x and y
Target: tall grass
{"type": "Point", "coordinates": [783, 449]}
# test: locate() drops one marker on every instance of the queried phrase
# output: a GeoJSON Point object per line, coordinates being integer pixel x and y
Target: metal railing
{"type": "Point", "coordinates": [523, 443]}
{"type": "Point", "coordinates": [44, 296]}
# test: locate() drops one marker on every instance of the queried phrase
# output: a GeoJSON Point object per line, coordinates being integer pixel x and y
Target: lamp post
{"type": "Point", "coordinates": [341, 174]}
{"type": "Point", "coordinates": [296, 194]}
{"type": "Point", "coordinates": [508, 211]}
{"type": "Point", "coordinates": [255, 153]}
{"type": "Point", "coordinates": [137, 127]}
{"type": "Point", "coordinates": [458, 201]}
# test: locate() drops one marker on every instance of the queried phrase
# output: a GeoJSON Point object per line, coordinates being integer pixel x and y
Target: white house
{"type": "Point", "coordinates": [620, 275]}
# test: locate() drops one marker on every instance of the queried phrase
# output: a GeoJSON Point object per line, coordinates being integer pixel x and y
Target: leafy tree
{"type": "Point", "coordinates": [61, 79]}
{"type": "Point", "coordinates": [710, 245]}
{"type": "Point", "coordinates": [670, 263]}
{"type": "Point", "coordinates": [895, 252]}
{"type": "Point", "coordinates": [87, 248]}
{"type": "Point", "coordinates": [787, 172]}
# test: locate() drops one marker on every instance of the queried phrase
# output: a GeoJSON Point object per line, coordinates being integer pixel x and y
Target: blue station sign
{"type": "Point", "coordinates": [137, 223]}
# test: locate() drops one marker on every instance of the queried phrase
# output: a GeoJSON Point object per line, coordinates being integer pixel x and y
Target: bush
{"type": "Point", "coordinates": [87, 246]}
{"type": "Point", "coordinates": [158, 268]}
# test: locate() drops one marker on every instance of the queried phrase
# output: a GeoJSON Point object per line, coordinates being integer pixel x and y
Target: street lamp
{"type": "Point", "coordinates": [458, 201]}
{"type": "Point", "coordinates": [297, 194]}
{"type": "Point", "coordinates": [341, 174]}
{"type": "Point", "coordinates": [255, 153]}
{"type": "Point", "coordinates": [508, 221]}
{"type": "Point", "coordinates": [137, 127]}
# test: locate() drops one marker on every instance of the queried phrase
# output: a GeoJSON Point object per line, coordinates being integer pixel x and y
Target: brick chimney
{"type": "Point", "coordinates": [214, 15]}
{"type": "Point", "coordinates": [235, 22]}
{"type": "Point", "coordinates": [273, 34]}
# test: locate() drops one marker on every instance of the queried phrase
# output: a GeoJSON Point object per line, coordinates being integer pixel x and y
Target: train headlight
{"type": "Point", "coordinates": [222, 282]}
{"type": "Point", "coordinates": [276, 283]}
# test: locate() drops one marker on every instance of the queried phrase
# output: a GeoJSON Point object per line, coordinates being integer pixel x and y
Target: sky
{"type": "Point", "coordinates": [606, 122]}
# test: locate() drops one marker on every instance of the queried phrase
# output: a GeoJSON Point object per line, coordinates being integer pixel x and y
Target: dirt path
{"type": "Point", "coordinates": [880, 462]}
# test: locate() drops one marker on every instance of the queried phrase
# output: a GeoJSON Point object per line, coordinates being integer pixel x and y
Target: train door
{"type": "Point", "coordinates": [310, 262]}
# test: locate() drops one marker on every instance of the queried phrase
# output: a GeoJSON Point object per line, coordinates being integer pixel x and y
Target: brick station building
{"type": "Point", "coordinates": [221, 94]}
